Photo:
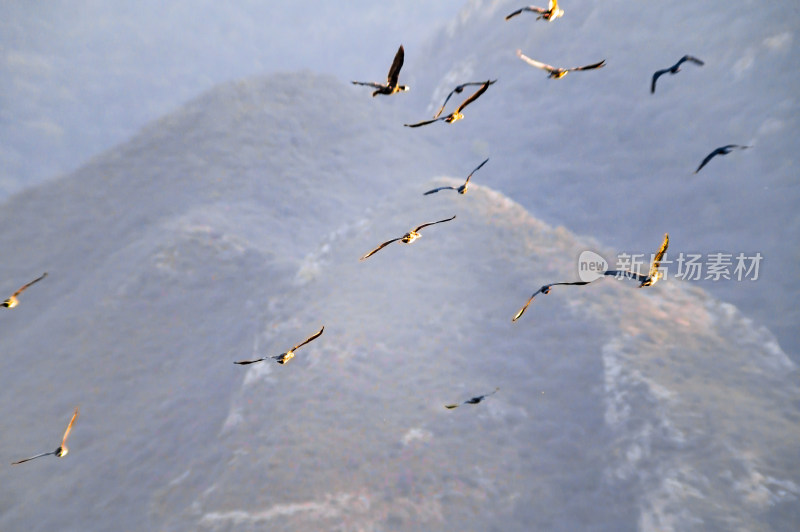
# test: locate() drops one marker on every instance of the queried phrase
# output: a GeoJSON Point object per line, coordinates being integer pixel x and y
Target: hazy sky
{"type": "Point", "coordinates": [79, 77]}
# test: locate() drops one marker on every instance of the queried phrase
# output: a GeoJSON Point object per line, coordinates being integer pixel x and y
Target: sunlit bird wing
{"type": "Point", "coordinates": [535, 63]}
{"type": "Point", "coordinates": [380, 247]}
{"type": "Point", "coordinates": [434, 223]}
{"type": "Point", "coordinates": [474, 96]}
{"type": "Point", "coordinates": [309, 339]}
{"type": "Point", "coordinates": [25, 287]}
{"type": "Point", "coordinates": [659, 256]}
{"type": "Point", "coordinates": [394, 70]}
{"type": "Point", "coordinates": [69, 427]}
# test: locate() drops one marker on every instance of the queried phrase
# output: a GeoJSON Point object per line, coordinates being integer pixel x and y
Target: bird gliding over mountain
{"type": "Point", "coordinates": [283, 358]}
{"type": "Point", "coordinates": [407, 238]}
{"type": "Point", "coordinates": [461, 189]}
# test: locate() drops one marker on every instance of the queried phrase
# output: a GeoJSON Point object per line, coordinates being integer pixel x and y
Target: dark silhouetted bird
{"type": "Point", "coordinates": [554, 72]}
{"type": "Point", "coordinates": [674, 69]}
{"type": "Point", "coordinates": [283, 358]}
{"type": "Point", "coordinates": [549, 14]}
{"type": "Point", "coordinates": [724, 150]}
{"type": "Point", "coordinates": [472, 401]}
{"type": "Point", "coordinates": [463, 188]}
{"type": "Point", "coordinates": [62, 450]}
{"type": "Point", "coordinates": [456, 115]}
{"type": "Point", "coordinates": [12, 301]}
{"type": "Point", "coordinates": [391, 86]}
{"type": "Point", "coordinates": [458, 90]}
{"type": "Point", "coordinates": [407, 238]}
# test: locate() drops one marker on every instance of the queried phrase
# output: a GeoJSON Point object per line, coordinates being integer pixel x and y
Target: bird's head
{"type": "Point", "coordinates": [11, 302]}
{"type": "Point", "coordinates": [410, 237]}
{"type": "Point", "coordinates": [62, 451]}
{"type": "Point", "coordinates": [403, 88]}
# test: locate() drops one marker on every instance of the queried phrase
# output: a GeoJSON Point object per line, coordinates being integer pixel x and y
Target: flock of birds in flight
{"type": "Point", "coordinates": [392, 86]}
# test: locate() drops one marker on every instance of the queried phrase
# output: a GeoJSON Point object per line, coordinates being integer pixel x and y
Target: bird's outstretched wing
{"type": "Point", "coordinates": [310, 338]}
{"type": "Point", "coordinates": [476, 169]}
{"type": "Point", "coordinates": [245, 362]}
{"type": "Point", "coordinates": [708, 158]}
{"type": "Point", "coordinates": [25, 287]}
{"type": "Point", "coordinates": [535, 63]}
{"type": "Point", "coordinates": [591, 67]}
{"type": "Point", "coordinates": [369, 84]}
{"type": "Point", "coordinates": [377, 249]}
{"type": "Point", "coordinates": [434, 223]}
{"type": "Point", "coordinates": [394, 70]}
{"type": "Point", "coordinates": [624, 273]}
{"type": "Point", "coordinates": [539, 10]}
{"type": "Point", "coordinates": [458, 90]}
{"type": "Point", "coordinates": [69, 427]}
{"type": "Point", "coordinates": [656, 75]}
{"type": "Point", "coordinates": [692, 59]}
{"type": "Point", "coordinates": [424, 122]}
{"type": "Point", "coordinates": [474, 96]}
{"type": "Point", "coordinates": [32, 458]}
{"type": "Point", "coordinates": [659, 256]}
{"type": "Point", "coordinates": [435, 190]}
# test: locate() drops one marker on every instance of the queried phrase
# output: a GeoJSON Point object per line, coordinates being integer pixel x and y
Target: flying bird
{"type": "Point", "coordinates": [472, 401]}
{"type": "Point", "coordinates": [544, 290]}
{"type": "Point", "coordinates": [724, 150]}
{"type": "Point", "coordinates": [62, 450]}
{"type": "Point", "coordinates": [283, 358]}
{"type": "Point", "coordinates": [407, 238]}
{"type": "Point", "coordinates": [458, 90]}
{"type": "Point", "coordinates": [463, 188]}
{"type": "Point", "coordinates": [674, 69]}
{"type": "Point", "coordinates": [557, 73]}
{"type": "Point", "coordinates": [391, 86]}
{"type": "Point", "coordinates": [549, 14]}
{"type": "Point", "coordinates": [456, 115]}
{"type": "Point", "coordinates": [12, 301]}
{"type": "Point", "coordinates": [653, 275]}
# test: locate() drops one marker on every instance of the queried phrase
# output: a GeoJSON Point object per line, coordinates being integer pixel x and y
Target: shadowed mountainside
{"type": "Point", "coordinates": [233, 227]}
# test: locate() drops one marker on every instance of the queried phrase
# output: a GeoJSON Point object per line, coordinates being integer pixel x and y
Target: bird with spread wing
{"type": "Point", "coordinates": [391, 86]}
{"type": "Point", "coordinates": [556, 72]}
{"type": "Point", "coordinates": [62, 450]}
{"type": "Point", "coordinates": [458, 90]}
{"type": "Point", "coordinates": [674, 69]}
{"type": "Point", "coordinates": [460, 189]}
{"type": "Point", "coordinates": [456, 115]}
{"type": "Point", "coordinates": [12, 301]}
{"type": "Point", "coordinates": [472, 401]}
{"type": "Point", "coordinates": [407, 238]}
{"type": "Point", "coordinates": [283, 358]}
{"type": "Point", "coordinates": [549, 14]}
{"type": "Point", "coordinates": [723, 150]}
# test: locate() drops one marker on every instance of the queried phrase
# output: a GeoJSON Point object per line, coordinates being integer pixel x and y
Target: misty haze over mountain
{"type": "Point", "coordinates": [230, 227]}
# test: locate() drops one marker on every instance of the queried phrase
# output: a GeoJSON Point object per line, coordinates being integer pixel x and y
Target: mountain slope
{"type": "Point", "coordinates": [233, 228]}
